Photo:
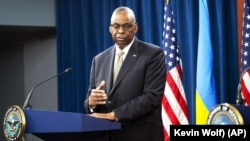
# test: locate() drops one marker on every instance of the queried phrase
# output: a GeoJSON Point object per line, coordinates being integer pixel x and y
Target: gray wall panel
{"type": "Point", "coordinates": [28, 12]}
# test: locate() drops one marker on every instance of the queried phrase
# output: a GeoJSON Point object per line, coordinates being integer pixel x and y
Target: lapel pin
{"type": "Point", "coordinates": [134, 55]}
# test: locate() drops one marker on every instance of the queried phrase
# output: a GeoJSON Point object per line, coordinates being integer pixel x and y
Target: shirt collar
{"type": "Point", "coordinates": [125, 49]}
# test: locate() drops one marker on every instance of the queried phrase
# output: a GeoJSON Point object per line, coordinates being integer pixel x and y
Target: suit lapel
{"type": "Point", "coordinates": [109, 68]}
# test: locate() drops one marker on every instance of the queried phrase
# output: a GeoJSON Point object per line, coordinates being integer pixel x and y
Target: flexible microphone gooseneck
{"type": "Point", "coordinates": [239, 99]}
{"type": "Point", "coordinates": [26, 104]}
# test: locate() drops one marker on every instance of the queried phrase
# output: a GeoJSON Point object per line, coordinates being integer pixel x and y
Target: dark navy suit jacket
{"type": "Point", "coordinates": [137, 93]}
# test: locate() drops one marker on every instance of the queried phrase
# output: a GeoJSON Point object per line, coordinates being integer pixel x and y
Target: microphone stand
{"type": "Point", "coordinates": [27, 105]}
{"type": "Point", "coordinates": [239, 99]}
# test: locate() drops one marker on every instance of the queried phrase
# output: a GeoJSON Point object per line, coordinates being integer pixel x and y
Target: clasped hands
{"type": "Point", "coordinates": [99, 97]}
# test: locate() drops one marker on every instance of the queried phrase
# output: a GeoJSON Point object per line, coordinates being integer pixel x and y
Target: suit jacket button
{"type": "Point", "coordinates": [109, 102]}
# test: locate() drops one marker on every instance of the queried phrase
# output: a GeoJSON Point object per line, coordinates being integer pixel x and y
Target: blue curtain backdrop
{"type": "Point", "coordinates": [82, 32]}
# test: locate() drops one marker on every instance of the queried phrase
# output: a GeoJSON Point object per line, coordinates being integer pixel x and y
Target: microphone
{"type": "Point", "coordinates": [239, 98]}
{"type": "Point", "coordinates": [26, 104]}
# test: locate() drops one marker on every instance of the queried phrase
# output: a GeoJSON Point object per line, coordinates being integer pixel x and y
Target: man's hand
{"type": "Point", "coordinates": [98, 96]}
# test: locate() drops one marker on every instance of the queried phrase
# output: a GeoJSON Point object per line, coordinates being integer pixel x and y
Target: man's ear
{"type": "Point", "coordinates": [136, 28]}
{"type": "Point", "coordinates": [110, 30]}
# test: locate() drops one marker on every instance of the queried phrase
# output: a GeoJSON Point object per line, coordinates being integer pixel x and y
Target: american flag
{"type": "Point", "coordinates": [174, 104]}
{"type": "Point", "coordinates": [245, 60]}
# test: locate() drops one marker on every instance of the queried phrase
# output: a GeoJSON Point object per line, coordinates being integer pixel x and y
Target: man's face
{"type": "Point", "coordinates": [123, 29]}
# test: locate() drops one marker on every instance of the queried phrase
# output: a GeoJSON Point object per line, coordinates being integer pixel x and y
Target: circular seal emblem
{"type": "Point", "coordinates": [14, 123]}
{"type": "Point", "coordinates": [225, 114]}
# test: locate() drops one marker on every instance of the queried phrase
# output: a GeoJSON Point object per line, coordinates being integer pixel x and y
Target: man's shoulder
{"type": "Point", "coordinates": [147, 44]}
{"type": "Point", "coordinates": [143, 45]}
{"type": "Point", "coordinates": [105, 52]}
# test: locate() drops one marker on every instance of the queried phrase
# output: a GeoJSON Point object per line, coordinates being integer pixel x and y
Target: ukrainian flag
{"type": "Point", "coordinates": [205, 85]}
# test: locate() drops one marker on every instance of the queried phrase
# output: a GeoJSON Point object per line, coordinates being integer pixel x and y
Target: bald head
{"type": "Point", "coordinates": [123, 9]}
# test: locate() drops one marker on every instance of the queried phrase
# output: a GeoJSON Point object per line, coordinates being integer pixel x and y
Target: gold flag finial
{"type": "Point", "coordinates": [167, 1]}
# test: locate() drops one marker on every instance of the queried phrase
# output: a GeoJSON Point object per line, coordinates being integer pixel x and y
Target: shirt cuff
{"type": "Point", "coordinates": [91, 109]}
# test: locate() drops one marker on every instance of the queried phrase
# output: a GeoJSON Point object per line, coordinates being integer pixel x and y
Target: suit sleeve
{"type": "Point", "coordinates": [152, 83]}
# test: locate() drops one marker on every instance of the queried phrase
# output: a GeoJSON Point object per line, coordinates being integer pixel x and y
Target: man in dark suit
{"type": "Point", "coordinates": [134, 98]}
